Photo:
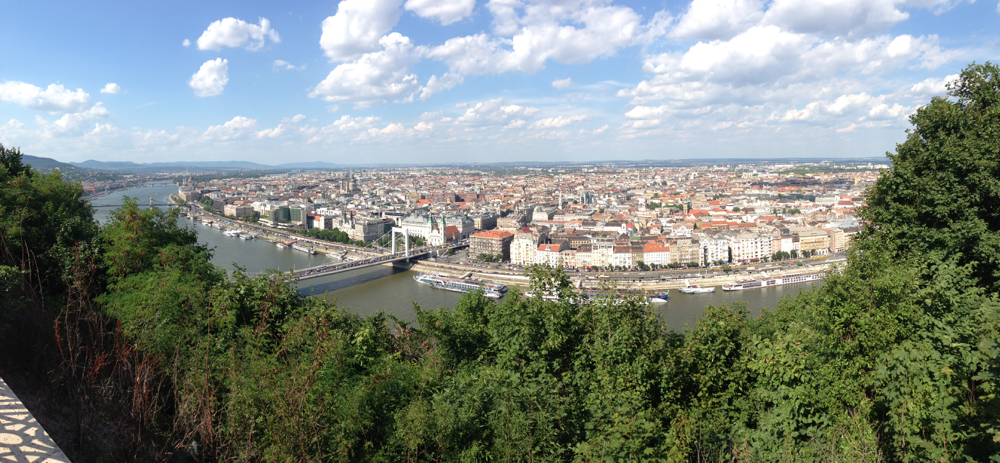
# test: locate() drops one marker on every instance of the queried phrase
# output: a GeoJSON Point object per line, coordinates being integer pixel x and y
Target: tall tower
{"type": "Point", "coordinates": [560, 200]}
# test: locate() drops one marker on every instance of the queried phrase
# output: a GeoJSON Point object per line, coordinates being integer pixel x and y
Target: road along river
{"type": "Point", "coordinates": [367, 291]}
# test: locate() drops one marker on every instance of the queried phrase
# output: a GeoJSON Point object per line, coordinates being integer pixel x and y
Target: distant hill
{"type": "Point", "coordinates": [47, 164]}
{"type": "Point", "coordinates": [173, 166]}
{"type": "Point", "coordinates": [110, 165]}
{"type": "Point", "coordinates": [310, 165]}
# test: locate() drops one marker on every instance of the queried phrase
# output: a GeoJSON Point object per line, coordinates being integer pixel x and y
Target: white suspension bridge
{"type": "Point", "coordinates": [390, 257]}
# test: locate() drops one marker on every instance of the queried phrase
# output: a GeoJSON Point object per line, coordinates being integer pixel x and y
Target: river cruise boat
{"type": "Point", "coordinates": [283, 245]}
{"type": "Point", "coordinates": [650, 296]}
{"type": "Point", "coordinates": [767, 282]}
{"type": "Point", "coordinates": [462, 285]}
{"type": "Point", "coordinates": [695, 289]}
{"type": "Point", "coordinates": [248, 236]}
{"type": "Point", "coordinates": [304, 249]}
{"type": "Point", "coordinates": [232, 233]}
{"type": "Point", "coordinates": [617, 296]}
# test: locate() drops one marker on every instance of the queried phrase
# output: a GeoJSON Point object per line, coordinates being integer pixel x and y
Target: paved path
{"type": "Point", "coordinates": [22, 439]}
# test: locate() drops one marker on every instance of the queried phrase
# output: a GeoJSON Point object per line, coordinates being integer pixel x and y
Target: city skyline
{"type": "Point", "coordinates": [471, 81]}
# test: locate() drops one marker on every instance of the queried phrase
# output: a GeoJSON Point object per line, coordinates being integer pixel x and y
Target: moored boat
{"type": "Point", "coordinates": [462, 285]}
{"type": "Point", "coordinates": [767, 282]}
{"type": "Point", "coordinates": [695, 289]}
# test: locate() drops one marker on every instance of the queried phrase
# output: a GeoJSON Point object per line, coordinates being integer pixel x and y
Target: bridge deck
{"type": "Point", "coordinates": [324, 270]}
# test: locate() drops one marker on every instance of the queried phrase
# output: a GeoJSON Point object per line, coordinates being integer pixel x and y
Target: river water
{"type": "Point", "coordinates": [367, 291]}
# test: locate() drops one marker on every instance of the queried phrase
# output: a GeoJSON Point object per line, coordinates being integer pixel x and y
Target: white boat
{"type": "Point", "coordinates": [303, 249]}
{"type": "Point", "coordinates": [248, 236]}
{"type": "Point", "coordinates": [232, 233]}
{"type": "Point", "coordinates": [688, 289]}
{"type": "Point", "coordinates": [462, 285]}
{"type": "Point", "coordinates": [767, 282]}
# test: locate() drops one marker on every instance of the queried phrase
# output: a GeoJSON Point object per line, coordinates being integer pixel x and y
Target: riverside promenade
{"type": "Point", "coordinates": [22, 439]}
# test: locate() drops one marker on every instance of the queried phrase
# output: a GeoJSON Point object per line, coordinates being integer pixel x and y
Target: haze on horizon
{"type": "Point", "coordinates": [402, 81]}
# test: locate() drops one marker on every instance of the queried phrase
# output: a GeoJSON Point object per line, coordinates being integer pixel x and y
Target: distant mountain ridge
{"type": "Point", "coordinates": [46, 164]}
{"type": "Point", "coordinates": [125, 165]}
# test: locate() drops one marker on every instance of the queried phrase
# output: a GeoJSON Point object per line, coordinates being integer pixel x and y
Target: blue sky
{"type": "Point", "coordinates": [376, 81]}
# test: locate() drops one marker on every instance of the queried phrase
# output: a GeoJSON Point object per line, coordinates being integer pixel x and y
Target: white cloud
{"type": "Point", "coordinates": [495, 112]}
{"type": "Point", "coordinates": [357, 27]}
{"type": "Point", "coordinates": [558, 121]}
{"type": "Point", "coordinates": [111, 88]}
{"type": "Point", "coordinates": [333, 109]}
{"type": "Point", "coordinates": [211, 78]}
{"type": "Point", "coordinates": [431, 115]}
{"type": "Point", "coordinates": [766, 63]}
{"type": "Point", "coordinates": [389, 130]}
{"type": "Point", "coordinates": [71, 123]}
{"type": "Point", "coordinates": [282, 65]}
{"type": "Point", "coordinates": [546, 31]}
{"type": "Point", "coordinates": [646, 112]}
{"type": "Point", "coordinates": [600, 130]}
{"type": "Point", "coordinates": [55, 98]}
{"type": "Point", "coordinates": [294, 119]}
{"type": "Point", "coordinates": [423, 126]}
{"type": "Point", "coordinates": [235, 33]}
{"type": "Point", "coordinates": [516, 124]}
{"type": "Point", "coordinates": [863, 104]}
{"type": "Point", "coordinates": [564, 83]}
{"type": "Point", "coordinates": [444, 11]}
{"type": "Point", "coordinates": [644, 124]}
{"type": "Point", "coordinates": [718, 19]}
{"type": "Point", "coordinates": [238, 127]}
{"type": "Point", "coordinates": [851, 18]}
{"type": "Point", "coordinates": [375, 77]}
{"type": "Point", "coordinates": [932, 86]}
{"type": "Point", "coordinates": [436, 85]}
{"type": "Point", "coordinates": [186, 43]}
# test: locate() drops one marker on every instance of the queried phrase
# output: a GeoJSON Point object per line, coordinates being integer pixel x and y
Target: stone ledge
{"type": "Point", "coordinates": [22, 439]}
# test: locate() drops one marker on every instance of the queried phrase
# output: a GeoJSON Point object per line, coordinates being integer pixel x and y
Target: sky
{"type": "Point", "coordinates": [470, 81]}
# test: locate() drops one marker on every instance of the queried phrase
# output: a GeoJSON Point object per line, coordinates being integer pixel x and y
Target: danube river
{"type": "Point", "coordinates": [370, 290]}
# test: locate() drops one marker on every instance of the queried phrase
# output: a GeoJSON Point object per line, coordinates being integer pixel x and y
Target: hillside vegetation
{"type": "Point", "coordinates": [150, 352]}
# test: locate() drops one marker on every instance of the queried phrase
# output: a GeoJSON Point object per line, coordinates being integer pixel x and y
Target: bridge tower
{"type": "Point", "coordinates": [406, 239]}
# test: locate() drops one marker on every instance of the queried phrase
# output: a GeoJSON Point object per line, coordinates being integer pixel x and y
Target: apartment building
{"type": "Point", "coordinates": [491, 242]}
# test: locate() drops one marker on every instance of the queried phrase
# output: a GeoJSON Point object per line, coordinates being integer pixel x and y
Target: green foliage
{"type": "Point", "coordinates": [335, 235]}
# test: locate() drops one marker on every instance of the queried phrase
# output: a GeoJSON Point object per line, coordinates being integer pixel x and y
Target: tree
{"type": "Point", "coordinates": [726, 268]}
{"type": "Point", "coordinates": [794, 254]}
{"type": "Point", "coordinates": [736, 209]}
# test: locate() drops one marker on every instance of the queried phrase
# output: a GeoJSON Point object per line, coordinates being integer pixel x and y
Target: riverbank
{"type": "Point", "coordinates": [590, 280]}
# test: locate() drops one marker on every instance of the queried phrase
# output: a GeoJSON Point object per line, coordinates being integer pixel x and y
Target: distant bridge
{"type": "Point", "coordinates": [332, 269]}
{"type": "Point", "coordinates": [156, 204]}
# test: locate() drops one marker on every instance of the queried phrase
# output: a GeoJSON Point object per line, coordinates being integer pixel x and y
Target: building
{"type": "Point", "coordinates": [813, 240]}
{"type": "Point", "coordinates": [188, 195]}
{"type": "Point", "coordinates": [511, 222]}
{"type": "Point", "coordinates": [749, 247]}
{"type": "Point", "coordinates": [838, 240]}
{"type": "Point", "coordinates": [714, 249]}
{"type": "Point", "coordinates": [367, 230]}
{"type": "Point", "coordinates": [523, 247]}
{"type": "Point", "coordinates": [549, 254]}
{"type": "Point", "coordinates": [238, 211]}
{"type": "Point", "coordinates": [491, 242]}
{"type": "Point", "coordinates": [621, 256]}
{"type": "Point", "coordinates": [433, 228]}
{"type": "Point", "coordinates": [685, 251]}
{"type": "Point", "coordinates": [656, 253]}
{"type": "Point", "coordinates": [484, 221]}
